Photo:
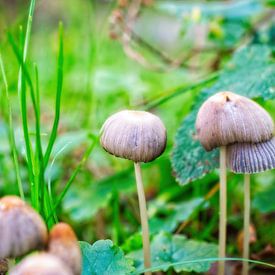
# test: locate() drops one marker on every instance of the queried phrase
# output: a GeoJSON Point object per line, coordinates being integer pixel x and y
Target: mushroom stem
{"type": "Point", "coordinates": [223, 205]}
{"type": "Point", "coordinates": [246, 238]}
{"type": "Point", "coordinates": [144, 218]}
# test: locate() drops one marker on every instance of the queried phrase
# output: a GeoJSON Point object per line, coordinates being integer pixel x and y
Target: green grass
{"type": "Point", "coordinates": [60, 82]}
{"type": "Point", "coordinates": [36, 160]}
{"type": "Point", "coordinates": [58, 98]}
{"type": "Point", "coordinates": [9, 120]}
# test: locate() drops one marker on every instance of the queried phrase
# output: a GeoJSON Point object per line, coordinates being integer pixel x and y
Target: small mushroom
{"type": "Point", "coordinates": [21, 228]}
{"type": "Point", "coordinates": [42, 264]}
{"type": "Point", "coordinates": [141, 137]}
{"type": "Point", "coordinates": [64, 245]}
{"type": "Point", "coordinates": [226, 118]}
{"type": "Point", "coordinates": [135, 135]}
{"type": "Point", "coordinates": [250, 158]}
{"type": "Point", "coordinates": [234, 122]}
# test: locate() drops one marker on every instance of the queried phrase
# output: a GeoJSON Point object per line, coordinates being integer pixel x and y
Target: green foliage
{"type": "Point", "coordinates": [233, 10]}
{"type": "Point", "coordinates": [168, 249]}
{"type": "Point", "coordinates": [250, 73]}
{"type": "Point", "coordinates": [264, 200]}
{"type": "Point", "coordinates": [99, 79]}
{"type": "Point", "coordinates": [104, 258]}
{"type": "Point", "coordinates": [82, 205]}
{"type": "Point", "coordinates": [177, 213]}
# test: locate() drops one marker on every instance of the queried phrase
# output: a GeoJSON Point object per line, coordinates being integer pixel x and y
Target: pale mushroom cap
{"type": "Point", "coordinates": [247, 158]}
{"type": "Point", "coordinates": [21, 228]}
{"type": "Point", "coordinates": [135, 135]}
{"type": "Point", "coordinates": [41, 264]}
{"type": "Point", "coordinates": [64, 245]}
{"type": "Point", "coordinates": [226, 118]}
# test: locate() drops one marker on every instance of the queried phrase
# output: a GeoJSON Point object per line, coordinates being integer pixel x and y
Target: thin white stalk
{"type": "Point", "coordinates": [246, 231]}
{"type": "Point", "coordinates": [223, 206]}
{"type": "Point", "coordinates": [144, 219]}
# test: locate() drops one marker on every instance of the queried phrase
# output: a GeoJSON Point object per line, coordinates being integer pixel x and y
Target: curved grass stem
{"type": "Point", "coordinates": [144, 219]}
{"type": "Point", "coordinates": [223, 206]}
{"type": "Point", "coordinates": [11, 130]}
{"type": "Point", "coordinates": [246, 238]}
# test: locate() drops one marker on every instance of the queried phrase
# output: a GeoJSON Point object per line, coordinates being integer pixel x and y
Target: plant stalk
{"type": "Point", "coordinates": [12, 142]}
{"type": "Point", "coordinates": [246, 237]}
{"type": "Point", "coordinates": [223, 206]}
{"type": "Point", "coordinates": [144, 219]}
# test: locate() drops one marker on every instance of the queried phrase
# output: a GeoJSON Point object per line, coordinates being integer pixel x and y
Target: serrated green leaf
{"type": "Point", "coordinates": [251, 74]}
{"type": "Point", "coordinates": [104, 258]}
{"type": "Point", "coordinates": [168, 249]}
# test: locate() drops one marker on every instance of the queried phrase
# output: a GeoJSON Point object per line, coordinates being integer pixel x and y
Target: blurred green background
{"type": "Point", "coordinates": [175, 44]}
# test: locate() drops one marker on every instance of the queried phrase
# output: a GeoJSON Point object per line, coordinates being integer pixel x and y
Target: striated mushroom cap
{"type": "Point", "coordinates": [247, 158]}
{"type": "Point", "coordinates": [226, 118]}
{"type": "Point", "coordinates": [21, 228]}
{"type": "Point", "coordinates": [41, 264]}
{"type": "Point", "coordinates": [64, 245]}
{"type": "Point", "coordinates": [135, 135]}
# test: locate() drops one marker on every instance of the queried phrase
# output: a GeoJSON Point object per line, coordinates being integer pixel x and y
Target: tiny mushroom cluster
{"type": "Point", "coordinates": [244, 132]}
{"type": "Point", "coordinates": [22, 230]}
{"type": "Point", "coordinates": [140, 137]}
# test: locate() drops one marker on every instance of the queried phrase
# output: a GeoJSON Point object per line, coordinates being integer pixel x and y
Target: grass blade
{"type": "Point", "coordinates": [28, 29]}
{"type": "Point", "coordinates": [25, 77]}
{"type": "Point", "coordinates": [179, 91]}
{"type": "Point", "coordinates": [26, 41]}
{"type": "Point", "coordinates": [58, 98]}
{"type": "Point", "coordinates": [166, 266]}
{"type": "Point", "coordinates": [50, 184]}
{"type": "Point", "coordinates": [23, 105]}
{"type": "Point", "coordinates": [11, 130]}
{"type": "Point", "coordinates": [73, 176]}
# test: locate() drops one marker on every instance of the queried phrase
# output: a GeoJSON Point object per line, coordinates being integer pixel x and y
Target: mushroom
{"type": "Point", "coordinates": [64, 245]}
{"type": "Point", "coordinates": [250, 158]}
{"type": "Point", "coordinates": [42, 264]}
{"type": "Point", "coordinates": [141, 137]}
{"type": "Point", "coordinates": [225, 119]}
{"type": "Point", "coordinates": [21, 228]}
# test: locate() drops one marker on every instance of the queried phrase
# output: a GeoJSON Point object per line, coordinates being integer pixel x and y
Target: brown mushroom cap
{"type": "Point", "coordinates": [41, 264]}
{"type": "Point", "coordinates": [248, 158]}
{"type": "Point", "coordinates": [226, 118]}
{"type": "Point", "coordinates": [21, 228]}
{"type": "Point", "coordinates": [64, 245]}
{"type": "Point", "coordinates": [135, 135]}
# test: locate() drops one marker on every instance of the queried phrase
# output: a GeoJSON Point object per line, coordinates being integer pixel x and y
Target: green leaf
{"type": "Point", "coordinates": [104, 258]}
{"type": "Point", "coordinates": [168, 249]}
{"type": "Point", "coordinates": [264, 201]}
{"type": "Point", "coordinates": [178, 212]}
{"type": "Point", "coordinates": [134, 242]}
{"type": "Point", "coordinates": [251, 74]}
